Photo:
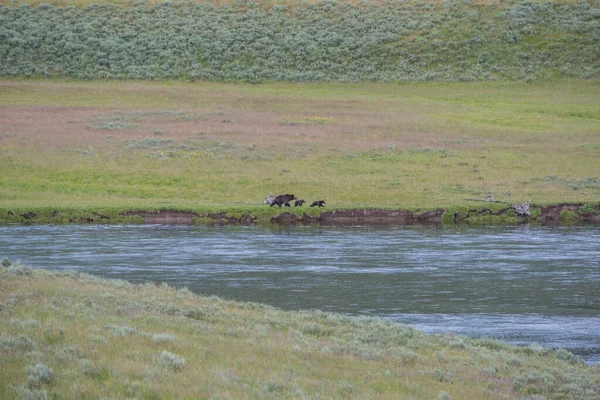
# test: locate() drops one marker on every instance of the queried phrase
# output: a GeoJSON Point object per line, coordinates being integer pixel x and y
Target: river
{"type": "Point", "coordinates": [522, 285]}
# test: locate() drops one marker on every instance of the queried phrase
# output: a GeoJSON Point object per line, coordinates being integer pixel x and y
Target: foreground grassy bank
{"type": "Point", "coordinates": [68, 145]}
{"type": "Point", "coordinates": [68, 335]}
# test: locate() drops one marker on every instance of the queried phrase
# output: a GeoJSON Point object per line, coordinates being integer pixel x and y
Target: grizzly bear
{"type": "Point", "coordinates": [318, 203]}
{"type": "Point", "coordinates": [299, 203]}
{"type": "Point", "coordinates": [283, 199]}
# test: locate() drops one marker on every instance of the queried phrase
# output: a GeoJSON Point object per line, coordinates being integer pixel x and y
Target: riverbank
{"type": "Point", "coordinates": [474, 213]}
{"type": "Point", "coordinates": [73, 335]}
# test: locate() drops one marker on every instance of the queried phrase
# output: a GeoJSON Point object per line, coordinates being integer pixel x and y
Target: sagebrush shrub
{"type": "Point", "coordinates": [163, 338]}
{"type": "Point", "coordinates": [39, 374]}
{"type": "Point", "coordinates": [171, 361]}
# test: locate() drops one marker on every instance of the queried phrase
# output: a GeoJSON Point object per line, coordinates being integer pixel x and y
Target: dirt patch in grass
{"type": "Point", "coordinates": [108, 128]}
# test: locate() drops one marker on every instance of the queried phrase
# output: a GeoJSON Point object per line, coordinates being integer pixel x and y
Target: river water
{"type": "Point", "coordinates": [522, 285]}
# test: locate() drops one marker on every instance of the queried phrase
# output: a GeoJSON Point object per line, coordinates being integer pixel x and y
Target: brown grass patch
{"type": "Point", "coordinates": [103, 128]}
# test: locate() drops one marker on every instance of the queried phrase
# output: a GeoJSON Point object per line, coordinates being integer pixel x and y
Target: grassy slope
{"type": "Point", "coordinates": [355, 145]}
{"type": "Point", "coordinates": [327, 42]}
{"type": "Point", "coordinates": [112, 339]}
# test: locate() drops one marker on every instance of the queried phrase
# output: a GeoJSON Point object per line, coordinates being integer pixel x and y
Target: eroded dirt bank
{"type": "Point", "coordinates": [551, 214]}
{"type": "Point", "coordinates": [566, 213]}
{"type": "Point", "coordinates": [340, 217]}
{"type": "Point", "coordinates": [164, 216]}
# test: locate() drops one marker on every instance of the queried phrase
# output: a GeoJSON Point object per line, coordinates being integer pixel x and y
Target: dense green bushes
{"type": "Point", "coordinates": [401, 41]}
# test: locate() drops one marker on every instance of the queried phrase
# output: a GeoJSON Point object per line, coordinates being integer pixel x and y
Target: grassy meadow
{"type": "Point", "coordinates": [73, 336]}
{"type": "Point", "coordinates": [113, 145]}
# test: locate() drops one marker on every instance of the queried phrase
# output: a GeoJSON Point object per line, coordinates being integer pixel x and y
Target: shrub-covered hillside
{"type": "Point", "coordinates": [330, 41]}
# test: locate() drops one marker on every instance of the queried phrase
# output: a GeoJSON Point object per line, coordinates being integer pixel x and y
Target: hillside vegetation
{"type": "Point", "coordinates": [399, 40]}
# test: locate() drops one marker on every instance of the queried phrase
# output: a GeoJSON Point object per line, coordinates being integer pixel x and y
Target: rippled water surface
{"type": "Point", "coordinates": [519, 284]}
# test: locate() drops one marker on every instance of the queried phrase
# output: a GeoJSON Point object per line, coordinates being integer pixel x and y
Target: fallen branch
{"type": "Point", "coordinates": [269, 199]}
{"type": "Point", "coordinates": [522, 209]}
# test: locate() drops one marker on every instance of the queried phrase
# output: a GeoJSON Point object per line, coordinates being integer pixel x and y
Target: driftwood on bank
{"type": "Point", "coordinates": [269, 199]}
{"type": "Point", "coordinates": [522, 209]}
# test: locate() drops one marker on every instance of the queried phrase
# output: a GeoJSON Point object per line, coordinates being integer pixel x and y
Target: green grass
{"type": "Point", "coordinates": [398, 145]}
{"type": "Point", "coordinates": [70, 335]}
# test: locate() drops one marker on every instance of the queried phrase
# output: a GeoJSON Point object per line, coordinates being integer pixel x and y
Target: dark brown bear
{"type": "Point", "coordinates": [318, 203]}
{"type": "Point", "coordinates": [283, 199]}
{"type": "Point", "coordinates": [299, 203]}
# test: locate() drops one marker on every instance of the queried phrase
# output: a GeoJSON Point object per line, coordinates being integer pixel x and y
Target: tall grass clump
{"type": "Point", "coordinates": [328, 41]}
